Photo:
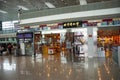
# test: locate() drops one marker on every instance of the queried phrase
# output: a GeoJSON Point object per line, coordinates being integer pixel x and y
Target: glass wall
{"type": "Point", "coordinates": [8, 27]}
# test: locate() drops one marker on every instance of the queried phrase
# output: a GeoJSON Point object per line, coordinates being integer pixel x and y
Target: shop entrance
{"type": "Point", "coordinates": [51, 44]}
{"type": "Point", "coordinates": [65, 43]}
{"type": "Point", "coordinates": [80, 43]}
{"type": "Point", "coordinates": [107, 37]}
{"type": "Point", "coordinates": [37, 43]}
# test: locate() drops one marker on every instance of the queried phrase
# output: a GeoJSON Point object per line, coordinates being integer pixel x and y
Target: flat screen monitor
{"type": "Point", "coordinates": [28, 35]}
{"type": "Point", "coordinates": [24, 35]}
{"type": "Point", "coordinates": [20, 36]}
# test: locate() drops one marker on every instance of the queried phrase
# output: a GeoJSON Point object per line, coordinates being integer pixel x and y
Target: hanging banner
{"type": "Point", "coordinates": [73, 24]}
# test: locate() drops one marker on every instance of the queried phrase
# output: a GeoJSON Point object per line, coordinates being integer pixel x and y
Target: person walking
{"type": "Point", "coordinates": [10, 48]}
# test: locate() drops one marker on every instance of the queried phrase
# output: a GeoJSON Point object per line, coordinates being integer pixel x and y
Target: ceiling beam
{"type": "Point", "coordinates": [91, 13]}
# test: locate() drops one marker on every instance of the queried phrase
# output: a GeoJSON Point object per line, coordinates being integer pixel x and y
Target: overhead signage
{"type": "Point", "coordinates": [24, 35]}
{"type": "Point", "coordinates": [102, 22]}
{"type": "Point", "coordinates": [74, 24]}
{"type": "Point", "coordinates": [0, 25]}
{"type": "Point", "coordinates": [51, 26]}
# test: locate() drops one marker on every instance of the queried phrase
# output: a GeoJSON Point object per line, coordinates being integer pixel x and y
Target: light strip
{"type": "Point", "coordinates": [65, 30]}
{"type": "Point", "coordinates": [54, 31]}
{"type": "Point", "coordinates": [100, 12]}
{"type": "Point", "coordinates": [4, 12]}
{"type": "Point", "coordinates": [49, 5]}
{"type": "Point", "coordinates": [23, 7]}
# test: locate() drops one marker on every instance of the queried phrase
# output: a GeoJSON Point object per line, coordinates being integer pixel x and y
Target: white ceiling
{"type": "Point", "coordinates": [9, 8]}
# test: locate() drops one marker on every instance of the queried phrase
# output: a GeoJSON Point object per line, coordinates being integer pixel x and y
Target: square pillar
{"type": "Point", "coordinates": [92, 42]}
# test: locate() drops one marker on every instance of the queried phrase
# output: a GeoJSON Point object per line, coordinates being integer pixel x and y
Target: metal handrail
{"type": "Point", "coordinates": [8, 30]}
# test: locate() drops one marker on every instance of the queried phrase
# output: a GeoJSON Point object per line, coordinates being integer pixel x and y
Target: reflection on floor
{"type": "Point", "coordinates": [54, 68]}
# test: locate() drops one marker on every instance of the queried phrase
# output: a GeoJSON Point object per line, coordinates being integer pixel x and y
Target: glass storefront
{"type": "Point", "coordinates": [107, 38]}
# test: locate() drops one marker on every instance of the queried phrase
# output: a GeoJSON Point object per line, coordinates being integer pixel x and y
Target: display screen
{"type": "Point", "coordinates": [24, 35]}
{"type": "Point", "coordinates": [28, 35]}
{"type": "Point", "coordinates": [20, 36]}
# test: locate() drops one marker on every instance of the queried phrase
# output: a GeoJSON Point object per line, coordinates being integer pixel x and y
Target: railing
{"type": "Point", "coordinates": [8, 30]}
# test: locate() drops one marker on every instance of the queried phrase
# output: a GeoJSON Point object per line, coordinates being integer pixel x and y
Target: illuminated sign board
{"type": "Point", "coordinates": [20, 36]}
{"type": "Point", "coordinates": [24, 35]}
{"type": "Point", "coordinates": [28, 35]}
{"type": "Point", "coordinates": [74, 24]}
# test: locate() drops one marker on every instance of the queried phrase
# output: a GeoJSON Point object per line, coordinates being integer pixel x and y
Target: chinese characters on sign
{"type": "Point", "coordinates": [72, 24]}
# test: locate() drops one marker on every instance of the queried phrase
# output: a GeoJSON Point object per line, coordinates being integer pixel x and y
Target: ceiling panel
{"type": "Point", "coordinates": [10, 6]}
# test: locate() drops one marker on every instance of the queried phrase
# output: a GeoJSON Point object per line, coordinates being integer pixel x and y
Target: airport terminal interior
{"type": "Point", "coordinates": [59, 39]}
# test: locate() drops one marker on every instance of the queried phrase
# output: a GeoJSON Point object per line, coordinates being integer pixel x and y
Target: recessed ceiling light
{"type": "Point", "coordinates": [83, 2]}
{"type": "Point", "coordinates": [22, 7]}
{"type": "Point", "coordinates": [50, 5]}
{"type": "Point", "coordinates": [4, 12]}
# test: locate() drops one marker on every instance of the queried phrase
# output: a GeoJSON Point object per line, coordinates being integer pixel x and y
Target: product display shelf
{"type": "Point", "coordinates": [53, 43]}
{"type": "Point", "coordinates": [78, 48]}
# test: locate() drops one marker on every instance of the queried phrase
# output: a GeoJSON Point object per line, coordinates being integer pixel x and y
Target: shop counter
{"type": "Point", "coordinates": [45, 49]}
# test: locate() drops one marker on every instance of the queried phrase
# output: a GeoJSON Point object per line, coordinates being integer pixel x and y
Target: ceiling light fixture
{"type": "Point", "coordinates": [83, 2]}
{"type": "Point", "coordinates": [4, 12]}
{"type": "Point", "coordinates": [50, 5]}
{"type": "Point", "coordinates": [22, 7]}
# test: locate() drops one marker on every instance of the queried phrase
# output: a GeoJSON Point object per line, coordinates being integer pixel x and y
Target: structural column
{"type": "Point", "coordinates": [92, 40]}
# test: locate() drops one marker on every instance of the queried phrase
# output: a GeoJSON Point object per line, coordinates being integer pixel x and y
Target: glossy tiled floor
{"type": "Point", "coordinates": [53, 68]}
